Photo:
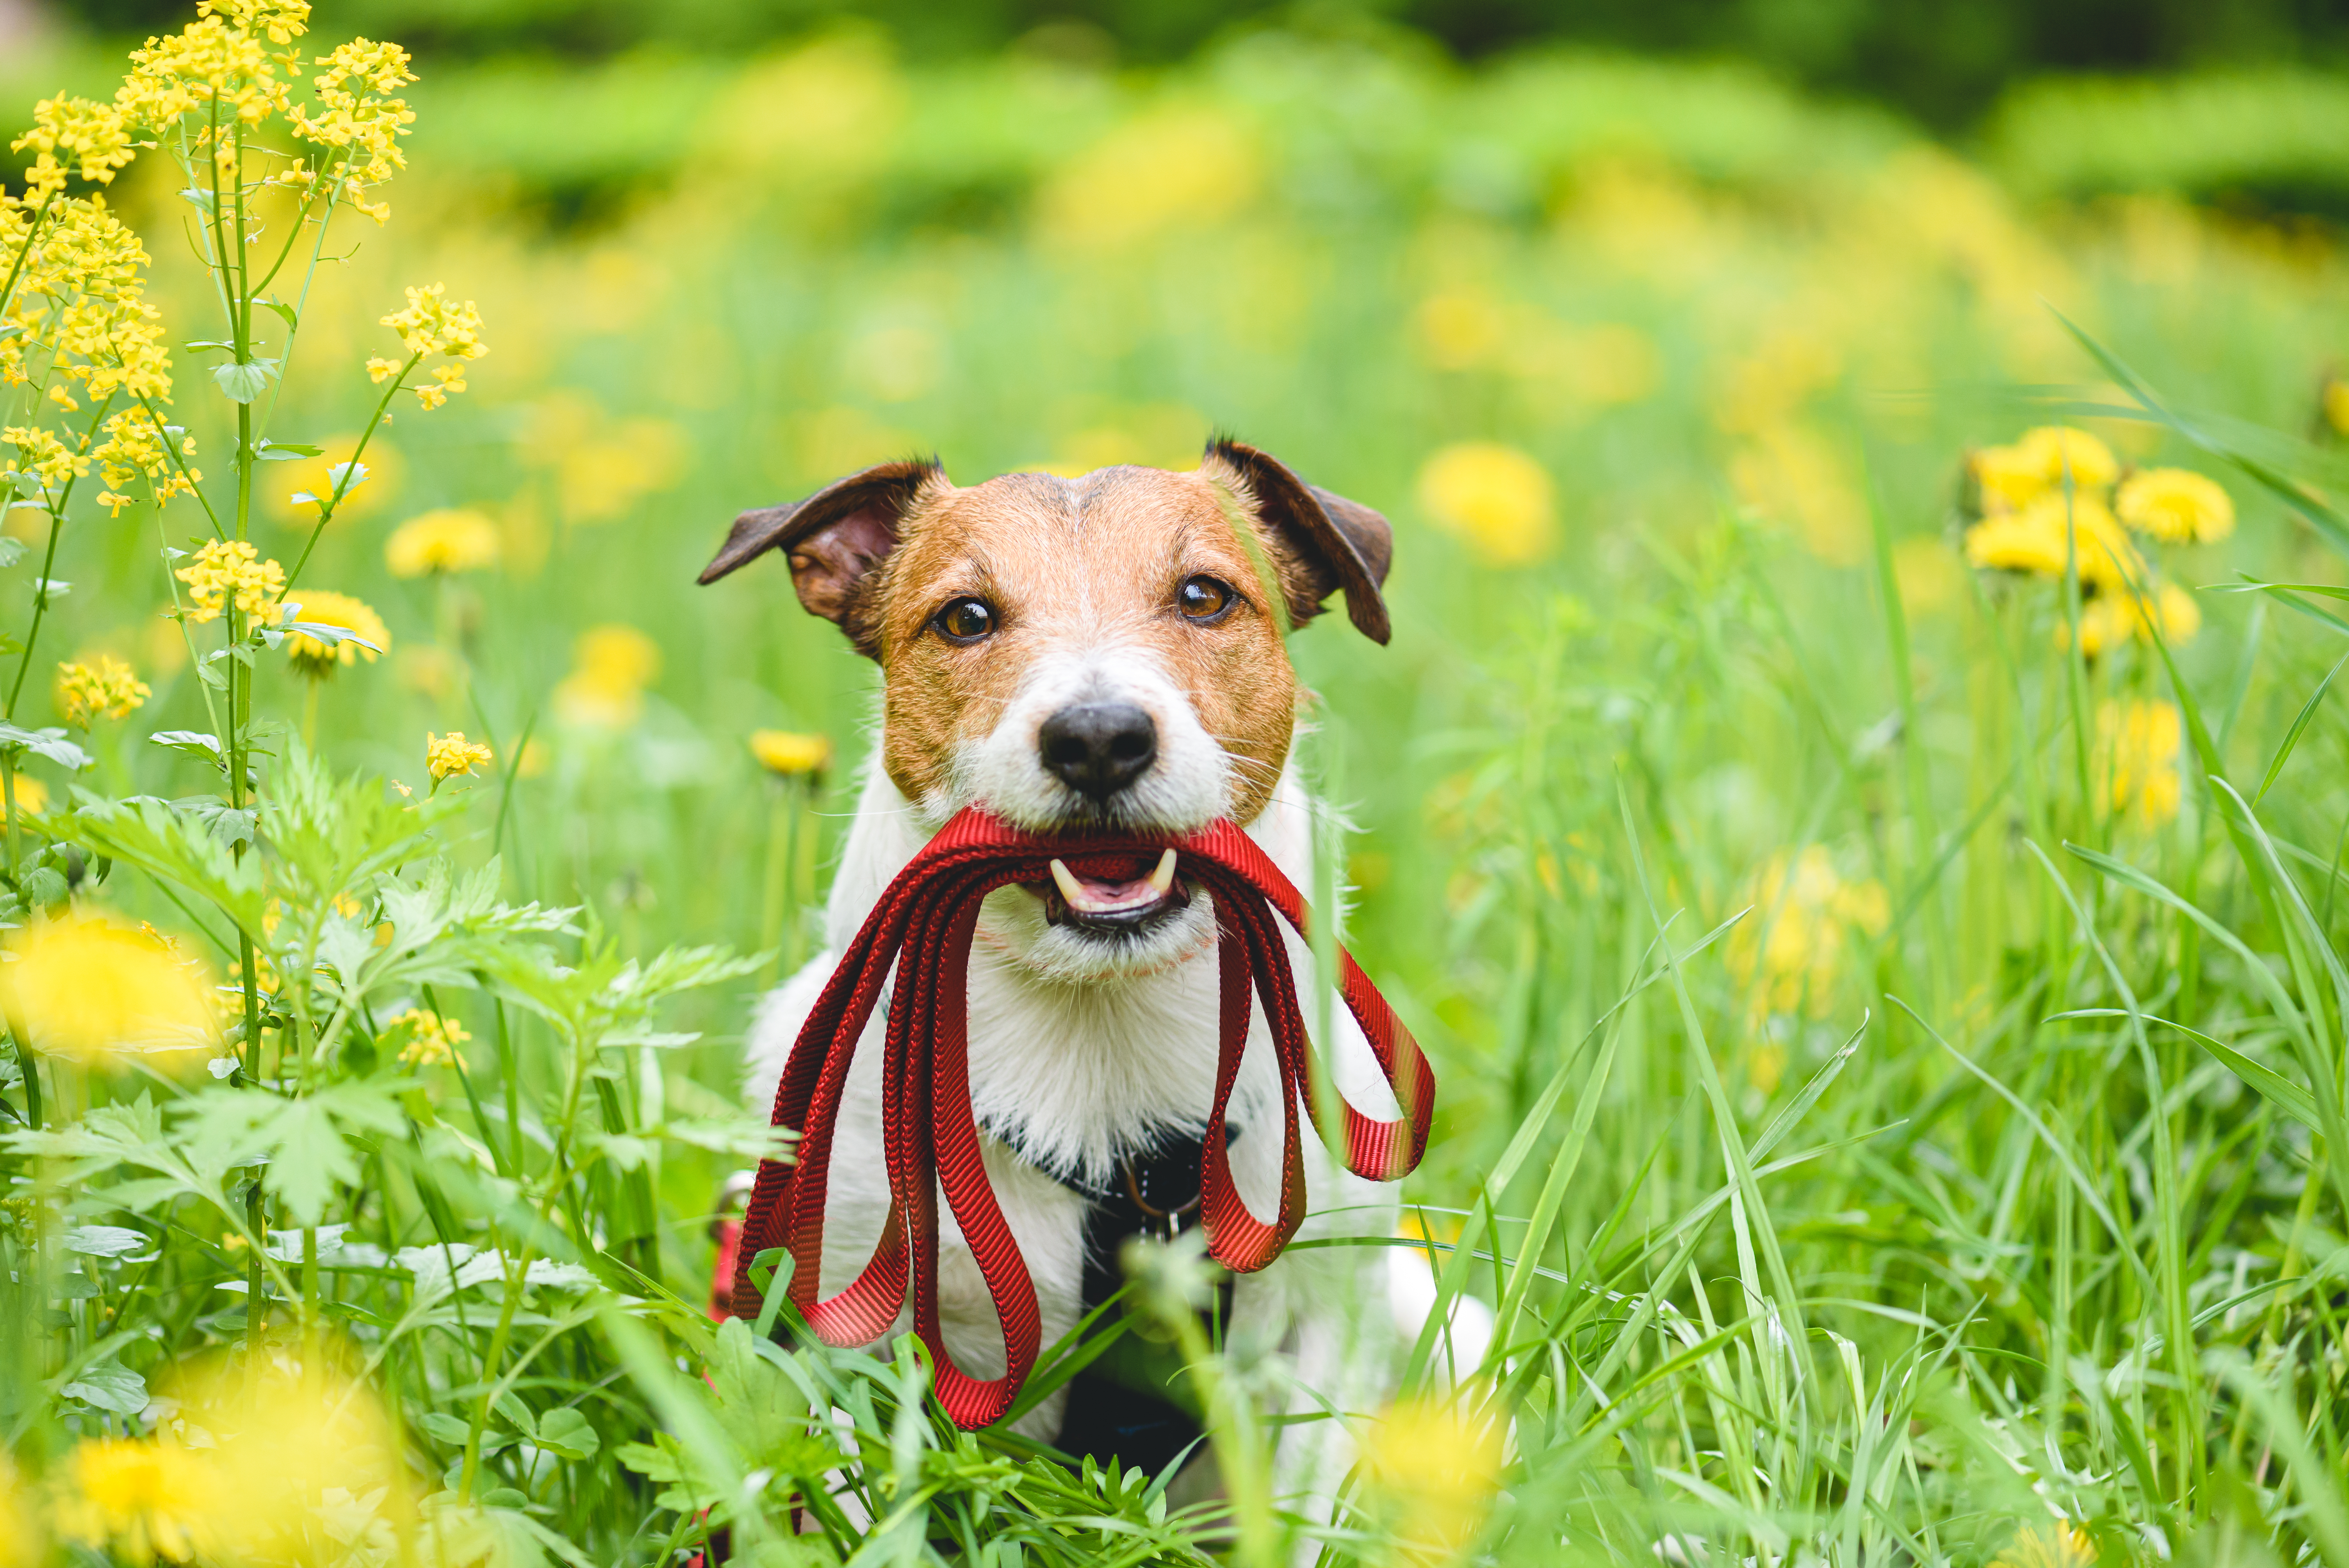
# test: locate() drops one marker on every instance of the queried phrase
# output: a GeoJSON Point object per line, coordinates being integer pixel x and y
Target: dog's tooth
{"type": "Point", "coordinates": [1071, 889]}
{"type": "Point", "coordinates": [1161, 881]}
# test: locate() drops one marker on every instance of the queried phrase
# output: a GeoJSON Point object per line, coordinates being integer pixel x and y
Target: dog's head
{"type": "Point", "coordinates": [1098, 651]}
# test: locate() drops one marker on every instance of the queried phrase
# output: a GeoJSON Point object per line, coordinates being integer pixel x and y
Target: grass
{"type": "Point", "coordinates": [1977, 1171]}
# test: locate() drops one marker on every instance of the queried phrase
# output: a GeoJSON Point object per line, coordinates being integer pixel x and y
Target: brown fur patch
{"type": "Point", "coordinates": [1072, 563]}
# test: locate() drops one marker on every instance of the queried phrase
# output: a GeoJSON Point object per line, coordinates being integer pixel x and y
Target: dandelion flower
{"type": "Point", "coordinates": [317, 658]}
{"type": "Point", "coordinates": [2038, 537]}
{"type": "Point", "coordinates": [22, 1542]}
{"type": "Point", "coordinates": [447, 755]}
{"type": "Point", "coordinates": [2012, 478]}
{"type": "Point", "coordinates": [790, 755]}
{"type": "Point", "coordinates": [1438, 1470]}
{"type": "Point", "coordinates": [2137, 744]}
{"type": "Point", "coordinates": [142, 1498]}
{"type": "Point", "coordinates": [2176, 506]}
{"type": "Point", "coordinates": [433, 1040]}
{"type": "Point", "coordinates": [1791, 945]}
{"type": "Point", "coordinates": [2049, 1546]}
{"type": "Point", "coordinates": [1496, 497]}
{"type": "Point", "coordinates": [109, 689]}
{"type": "Point", "coordinates": [87, 990]}
{"type": "Point", "coordinates": [452, 539]}
{"type": "Point", "coordinates": [32, 795]}
{"type": "Point", "coordinates": [225, 572]}
{"type": "Point", "coordinates": [611, 666]}
{"type": "Point", "coordinates": [2115, 617]}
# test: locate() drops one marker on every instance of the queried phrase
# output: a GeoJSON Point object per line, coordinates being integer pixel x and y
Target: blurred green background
{"type": "Point", "coordinates": [1688, 324]}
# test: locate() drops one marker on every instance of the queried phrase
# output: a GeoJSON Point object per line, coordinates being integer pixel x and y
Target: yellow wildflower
{"type": "Point", "coordinates": [452, 539]}
{"type": "Point", "coordinates": [87, 990]}
{"type": "Point", "coordinates": [431, 325]}
{"type": "Point", "coordinates": [2332, 401]}
{"type": "Point", "coordinates": [317, 658]}
{"type": "Point", "coordinates": [144, 1499]}
{"type": "Point", "coordinates": [2012, 478]}
{"type": "Point", "coordinates": [225, 572]}
{"type": "Point", "coordinates": [2037, 538]}
{"type": "Point", "coordinates": [110, 690]}
{"type": "Point", "coordinates": [21, 1540]}
{"type": "Point", "coordinates": [2137, 744]}
{"type": "Point", "coordinates": [1803, 910]}
{"type": "Point", "coordinates": [433, 1040]}
{"type": "Point", "coordinates": [2114, 616]}
{"type": "Point", "coordinates": [90, 135]}
{"type": "Point", "coordinates": [612, 665]}
{"type": "Point", "coordinates": [2177, 506]}
{"type": "Point", "coordinates": [2054, 1545]}
{"type": "Point", "coordinates": [32, 795]}
{"type": "Point", "coordinates": [1436, 1472]}
{"type": "Point", "coordinates": [136, 445]}
{"type": "Point", "coordinates": [1496, 497]}
{"type": "Point", "coordinates": [791, 756]}
{"type": "Point", "coordinates": [447, 755]}
{"type": "Point", "coordinates": [360, 121]}
{"type": "Point", "coordinates": [380, 370]}
{"type": "Point", "coordinates": [43, 457]}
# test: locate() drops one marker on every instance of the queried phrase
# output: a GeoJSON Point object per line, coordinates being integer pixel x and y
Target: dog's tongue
{"type": "Point", "coordinates": [1093, 895]}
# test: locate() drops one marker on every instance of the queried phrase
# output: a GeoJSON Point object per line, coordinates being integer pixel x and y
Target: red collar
{"type": "Point", "coordinates": [922, 924]}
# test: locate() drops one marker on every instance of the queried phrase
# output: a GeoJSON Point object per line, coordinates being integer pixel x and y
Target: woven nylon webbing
{"type": "Point", "coordinates": [922, 925]}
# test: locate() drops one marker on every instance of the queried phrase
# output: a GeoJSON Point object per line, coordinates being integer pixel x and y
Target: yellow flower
{"type": "Point", "coordinates": [431, 325]}
{"type": "Point", "coordinates": [2114, 616]}
{"type": "Point", "coordinates": [41, 455]}
{"type": "Point", "coordinates": [143, 1498]}
{"type": "Point", "coordinates": [2334, 401]}
{"type": "Point", "coordinates": [2136, 749]}
{"type": "Point", "coordinates": [225, 572]}
{"type": "Point", "coordinates": [1496, 497]}
{"type": "Point", "coordinates": [612, 665]}
{"type": "Point", "coordinates": [452, 538]}
{"type": "Point", "coordinates": [791, 756]}
{"type": "Point", "coordinates": [2054, 1545]}
{"type": "Point", "coordinates": [32, 795]}
{"type": "Point", "coordinates": [432, 1039]}
{"type": "Point", "coordinates": [21, 1540]}
{"type": "Point", "coordinates": [2177, 506]}
{"type": "Point", "coordinates": [447, 755]}
{"type": "Point", "coordinates": [2037, 538]}
{"type": "Point", "coordinates": [137, 445]}
{"type": "Point", "coordinates": [1804, 910]}
{"type": "Point", "coordinates": [87, 990]}
{"type": "Point", "coordinates": [108, 691]}
{"type": "Point", "coordinates": [317, 658]}
{"type": "Point", "coordinates": [2013, 477]}
{"type": "Point", "coordinates": [1435, 1472]}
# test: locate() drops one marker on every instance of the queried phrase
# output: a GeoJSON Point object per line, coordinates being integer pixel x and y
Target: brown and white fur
{"type": "Point", "coordinates": [1086, 1042]}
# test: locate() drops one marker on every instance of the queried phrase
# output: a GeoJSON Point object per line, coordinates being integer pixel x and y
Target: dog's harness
{"type": "Point", "coordinates": [924, 924]}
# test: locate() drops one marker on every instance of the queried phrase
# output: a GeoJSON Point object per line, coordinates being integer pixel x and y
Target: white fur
{"type": "Point", "coordinates": [1077, 1072]}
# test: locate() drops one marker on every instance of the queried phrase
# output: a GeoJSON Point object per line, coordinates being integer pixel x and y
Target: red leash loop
{"type": "Point", "coordinates": [923, 926]}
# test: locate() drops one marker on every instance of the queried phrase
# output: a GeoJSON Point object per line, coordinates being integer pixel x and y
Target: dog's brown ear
{"type": "Point", "coordinates": [1323, 542]}
{"type": "Point", "coordinates": [833, 539]}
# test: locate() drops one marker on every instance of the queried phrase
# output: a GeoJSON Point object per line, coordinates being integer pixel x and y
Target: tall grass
{"type": "Point", "coordinates": [1877, 1141]}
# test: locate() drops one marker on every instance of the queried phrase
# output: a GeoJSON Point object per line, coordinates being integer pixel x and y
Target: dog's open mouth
{"type": "Point", "coordinates": [1112, 908]}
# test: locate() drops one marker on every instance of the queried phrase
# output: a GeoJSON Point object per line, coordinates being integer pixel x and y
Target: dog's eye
{"type": "Point", "coordinates": [1204, 598]}
{"type": "Point", "coordinates": [964, 620]}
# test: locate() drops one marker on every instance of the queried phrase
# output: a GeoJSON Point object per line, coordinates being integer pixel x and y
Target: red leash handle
{"type": "Point", "coordinates": [923, 926]}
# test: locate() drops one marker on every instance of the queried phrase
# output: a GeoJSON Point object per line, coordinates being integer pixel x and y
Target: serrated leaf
{"type": "Point", "coordinates": [190, 742]}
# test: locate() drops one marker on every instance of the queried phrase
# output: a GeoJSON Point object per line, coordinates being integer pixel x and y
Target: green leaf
{"type": "Point", "coordinates": [2291, 736]}
{"type": "Point", "coordinates": [190, 742]}
{"type": "Point", "coordinates": [286, 313]}
{"type": "Point", "coordinates": [565, 1431]}
{"type": "Point", "coordinates": [104, 1240]}
{"type": "Point", "coordinates": [50, 743]}
{"type": "Point", "coordinates": [270, 452]}
{"type": "Point", "coordinates": [108, 1386]}
{"type": "Point", "coordinates": [247, 379]}
{"type": "Point", "coordinates": [446, 1428]}
{"type": "Point", "coordinates": [12, 550]}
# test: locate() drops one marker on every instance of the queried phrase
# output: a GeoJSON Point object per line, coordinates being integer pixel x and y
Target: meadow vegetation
{"type": "Point", "coordinates": [1853, 808]}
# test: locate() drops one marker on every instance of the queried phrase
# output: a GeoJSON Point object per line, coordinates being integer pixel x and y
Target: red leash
{"type": "Point", "coordinates": [922, 924]}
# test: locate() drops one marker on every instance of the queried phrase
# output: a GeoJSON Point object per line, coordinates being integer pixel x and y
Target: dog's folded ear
{"type": "Point", "coordinates": [831, 539]}
{"type": "Point", "coordinates": [1322, 542]}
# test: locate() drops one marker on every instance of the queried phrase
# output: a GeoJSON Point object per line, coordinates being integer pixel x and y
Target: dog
{"type": "Point", "coordinates": [1107, 650]}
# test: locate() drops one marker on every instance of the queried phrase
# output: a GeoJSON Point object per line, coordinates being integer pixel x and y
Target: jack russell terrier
{"type": "Point", "coordinates": [1105, 651]}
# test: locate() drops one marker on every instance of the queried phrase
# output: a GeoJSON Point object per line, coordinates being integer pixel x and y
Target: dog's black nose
{"type": "Point", "coordinates": [1097, 748]}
